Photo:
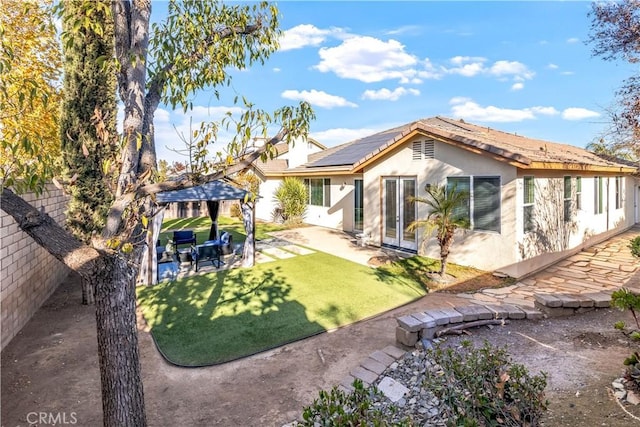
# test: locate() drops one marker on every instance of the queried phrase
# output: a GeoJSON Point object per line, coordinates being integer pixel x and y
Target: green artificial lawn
{"type": "Point", "coordinates": [218, 317]}
{"type": "Point", "coordinates": [202, 225]}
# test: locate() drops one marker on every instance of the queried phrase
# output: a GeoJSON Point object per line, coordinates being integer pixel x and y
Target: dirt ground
{"type": "Point", "coordinates": [51, 368]}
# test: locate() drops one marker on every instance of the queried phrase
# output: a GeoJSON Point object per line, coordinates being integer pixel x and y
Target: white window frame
{"type": "Point", "coordinates": [528, 205]}
{"type": "Point", "coordinates": [598, 195]}
{"type": "Point", "coordinates": [472, 201]}
{"type": "Point", "coordinates": [566, 206]}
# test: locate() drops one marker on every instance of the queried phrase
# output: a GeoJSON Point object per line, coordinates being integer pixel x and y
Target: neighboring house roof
{"type": "Point", "coordinates": [525, 153]}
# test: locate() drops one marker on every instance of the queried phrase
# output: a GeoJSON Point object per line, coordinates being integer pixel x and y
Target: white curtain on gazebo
{"type": "Point", "coordinates": [149, 263]}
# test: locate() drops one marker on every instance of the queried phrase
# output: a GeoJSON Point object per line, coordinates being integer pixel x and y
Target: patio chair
{"type": "Point", "coordinates": [183, 237]}
{"type": "Point", "coordinates": [226, 240]}
{"type": "Point", "coordinates": [207, 252]}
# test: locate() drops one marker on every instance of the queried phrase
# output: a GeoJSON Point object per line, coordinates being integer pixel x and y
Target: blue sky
{"type": "Point", "coordinates": [520, 67]}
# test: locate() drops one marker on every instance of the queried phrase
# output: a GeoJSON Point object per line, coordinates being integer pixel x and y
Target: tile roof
{"type": "Point", "coordinates": [523, 151]}
{"type": "Point", "coordinates": [526, 153]}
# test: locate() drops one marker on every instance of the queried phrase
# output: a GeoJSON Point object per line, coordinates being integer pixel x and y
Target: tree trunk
{"type": "Point", "coordinates": [445, 244]}
{"type": "Point", "coordinates": [115, 300]}
{"type": "Point", "coordinates": [120, 373]}
{"type": "Point", "coordinates": [88, 292]}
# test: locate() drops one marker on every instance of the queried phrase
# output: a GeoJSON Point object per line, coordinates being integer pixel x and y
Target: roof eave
{"type": "Point", "coordinates": [477, 147]}
{"type": "Point", "coordinates": [580, 167]}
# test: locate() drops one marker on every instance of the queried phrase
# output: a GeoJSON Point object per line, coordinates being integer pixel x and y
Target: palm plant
{"type": "Point", "coordinates": [291, 198]}
{"type": "Point", "coordinates": [447, 213]}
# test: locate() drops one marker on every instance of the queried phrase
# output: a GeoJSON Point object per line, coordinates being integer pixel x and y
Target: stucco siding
{"type": "Point", "coordinates": [340, 214]}
{"type": "Point", "coordinates": [553, 237]}
{"type": "Point", "coordinates": [470, 247]}
{"type": "Point", "coordinates": [266, 204]}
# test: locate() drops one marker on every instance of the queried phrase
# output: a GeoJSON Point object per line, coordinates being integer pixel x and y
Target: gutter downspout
{"type": "Point", "coordinates": [608, 207]}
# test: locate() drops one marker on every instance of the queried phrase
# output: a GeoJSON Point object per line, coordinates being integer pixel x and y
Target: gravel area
{"type": "Point", "coordinates": [418, 403]}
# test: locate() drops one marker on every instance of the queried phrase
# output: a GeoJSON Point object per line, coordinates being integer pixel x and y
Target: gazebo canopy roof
{"type": "Point", "coordinates": [214, 190]}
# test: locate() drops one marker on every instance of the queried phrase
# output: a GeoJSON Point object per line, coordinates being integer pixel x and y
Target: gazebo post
{"type": "Point", "coordinates": [248, 219]}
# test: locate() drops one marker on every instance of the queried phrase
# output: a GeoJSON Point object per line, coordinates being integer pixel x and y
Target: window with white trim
{"type": "Point", "coordinates": [567, 198]}
{"type": "Point", "coordinates": [598, 205]}
{"type": "Point", "coordinates": [319, 191]}
{"type": "Point", "coordinates": [483, 207]}
{"type": "Point", "coordinates": [619, 192]}
{"type": "Point", "coordinates": [528, 204]}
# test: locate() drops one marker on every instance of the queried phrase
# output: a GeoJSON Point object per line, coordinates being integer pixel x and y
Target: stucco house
{"type": "Point", "coordinates": [531, 202]}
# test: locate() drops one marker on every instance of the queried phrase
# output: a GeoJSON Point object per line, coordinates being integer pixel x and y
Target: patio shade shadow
{"type": "Point", "coordinates": [218, 317]}
{"type": "Point", "coordinates": [206, 320]}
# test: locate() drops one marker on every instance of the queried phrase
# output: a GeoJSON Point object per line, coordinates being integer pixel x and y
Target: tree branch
{"type": "Point", "coordinates": [159, 79]}
{"type": "Point", "coordinates": [122, 202]}
{"type": "Point", "coordinates": [49, 235]}
{"type": "Point", "coordinates": [121, 13]}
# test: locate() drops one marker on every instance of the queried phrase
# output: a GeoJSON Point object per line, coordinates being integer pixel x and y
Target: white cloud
{"type": "Point", "coordinates": [547, 111]}
{"type": "Point", "coordinates": [466, 108]}
{"type": "Point", "coordinates": [276, 70]}
{"type": "Point", "coordinates": [467, 66]}
{"type": "Point", "coordinates": [388, 95]}
{"type": "Point", "coordinates": [406, 29]}
{"type": "Point", "coordinates": [575, 113]}
{"type": "Point", "coordinates": [517, 86]}
{"type": "Point", "coordinates": [567, 73]}
{"type": "Point", "coordinates": [318, 98]}
{"type": "Point", "coordinates": [428, 71]}
{"type": "Point", "coordinates": [332, 137]}
{"type": "Point", "coordinates": [573, 40]}
{"type": "Point", "coordinates": [369, 60]}
{"type": "Point", "coordinates": [461, 60]}
{"type": "Point", "coordinates": [552, 66]}
{"type": "Point", "coordinates": [471, 66]}
{"type": "Point", "coordinates": [511, 68]}
{"type": "Point", "coordinates": [306, 35]}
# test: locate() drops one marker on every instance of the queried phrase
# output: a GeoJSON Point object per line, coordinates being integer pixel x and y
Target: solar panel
{"type": "Point", "coordinates": [357, 150]}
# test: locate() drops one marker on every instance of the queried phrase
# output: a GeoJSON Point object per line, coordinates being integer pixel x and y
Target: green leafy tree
{"type": "Point", "coordinates": [89, 97]}
{"type": "Point", "coordinates": [615, 31]}
{"type": "Point", "coordinates": [30, 70]}
{"type": "Point", "coordinates": [291, 197]}
{"type": "Point", "coordinates": [443, 218]}
{"type": "Point", "coordinates": [188, 52]}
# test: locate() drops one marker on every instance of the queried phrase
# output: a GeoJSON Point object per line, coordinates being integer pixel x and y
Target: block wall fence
{"type": "Point", "coordinates": [28, 273]}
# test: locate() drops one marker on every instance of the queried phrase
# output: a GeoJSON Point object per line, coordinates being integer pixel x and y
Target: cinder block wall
{"type": "Point", "coordinates": [28, 274]}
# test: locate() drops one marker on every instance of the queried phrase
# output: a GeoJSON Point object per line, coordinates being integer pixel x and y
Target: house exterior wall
{"type": "Point", "coordinates": [265, 205]}
{"type": "Point", "coordinates": [470, 247]}
{"type": "Point", "coordinates": [553, 238]}
{"type": "Point", "coordinates": [511, 250]}
{"type": "Point", "coordinates": [340, 215]}
{"type": "Point", "coordinates": [299, 152]}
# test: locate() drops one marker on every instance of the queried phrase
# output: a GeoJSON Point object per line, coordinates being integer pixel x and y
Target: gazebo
{"type": "Point", "coordinates": [212, 193]}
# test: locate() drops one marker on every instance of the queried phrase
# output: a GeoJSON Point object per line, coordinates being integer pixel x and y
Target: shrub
{"type": "Point", "coordinates": [291, 198]}
{"type": "Point", "coordinates": [235, 211]}
{"type": "Point", "coordinates": [624, 299]}
{"type": "Point", "coordinates": [480, 386]}
{"type": "Point", "coordinates": [337, 408]}
{"type": "Point", "coordinates": [635, 246]}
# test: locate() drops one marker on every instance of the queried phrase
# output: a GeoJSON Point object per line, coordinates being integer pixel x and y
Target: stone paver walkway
{"type": "Point", "coordinates": [604, 267]}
